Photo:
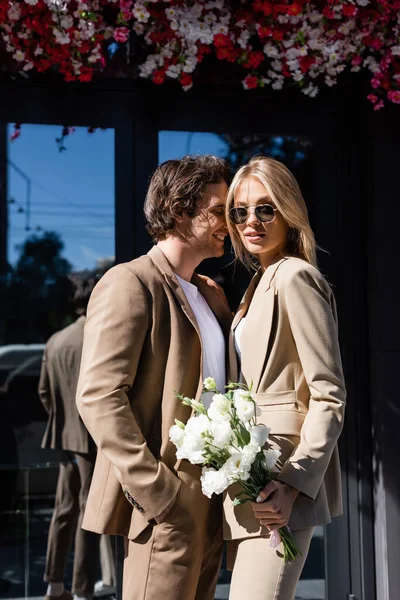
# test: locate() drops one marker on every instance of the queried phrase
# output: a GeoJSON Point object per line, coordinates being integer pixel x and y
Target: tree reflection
{"type": "Point", "coordinates": [40, 290]}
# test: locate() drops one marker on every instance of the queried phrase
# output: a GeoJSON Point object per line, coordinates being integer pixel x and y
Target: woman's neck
{"type": "Point", "coordinates": [270, 258]}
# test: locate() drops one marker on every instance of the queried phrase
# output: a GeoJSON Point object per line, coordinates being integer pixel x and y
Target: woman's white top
{"type": "Point", "coordinates": [212, 338]}
{"type": "Point", "coordinates": [238, 336]}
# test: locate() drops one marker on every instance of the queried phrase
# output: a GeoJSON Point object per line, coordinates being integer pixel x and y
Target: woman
{"type": "Point", "coordinates": [285, 334]}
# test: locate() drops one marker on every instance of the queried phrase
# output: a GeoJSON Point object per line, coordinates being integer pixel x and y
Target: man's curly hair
{"type": "Point", "coordinates": [178, 186]}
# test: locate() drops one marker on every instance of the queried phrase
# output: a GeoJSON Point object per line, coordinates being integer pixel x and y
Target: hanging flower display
{"type": "Point", "coordinates": [308, 44]}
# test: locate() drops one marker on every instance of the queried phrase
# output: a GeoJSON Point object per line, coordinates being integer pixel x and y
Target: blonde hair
{"type": "Point", "coordinates": [287, 197]}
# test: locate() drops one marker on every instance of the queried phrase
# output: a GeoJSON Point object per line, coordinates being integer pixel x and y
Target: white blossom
{"type": "Point", "coordinates": [213, 481]}
{"type": "Point", "coordinates": [259, 434]}
{"type": "Point", "coordinates": [177, 435]}
{"type": "Point", "coordinates": [271, 456]}
{"type": "Point", "coordinates": [244, 404]}
{"type": "Point", "coordinates": [222, 434]}
{"type": "Point", "coordinates": [220, 408]}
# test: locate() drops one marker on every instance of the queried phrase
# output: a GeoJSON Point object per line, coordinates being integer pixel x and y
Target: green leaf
{"type": "Point", "coordinates": [240, 501]}
{"type": "Point", "coordinates": [245, 435]}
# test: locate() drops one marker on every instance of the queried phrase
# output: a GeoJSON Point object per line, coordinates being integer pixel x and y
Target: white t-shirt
{"type": "Point", "coordinates": [212, 338]}
{"type": "Point", "coordinates": [238, 336]}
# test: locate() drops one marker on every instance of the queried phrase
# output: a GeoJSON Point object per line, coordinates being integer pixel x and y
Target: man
{"type": "Point", "coordinates": [66, 432]}
{"type": "Point", "coordinates": [154, 329]}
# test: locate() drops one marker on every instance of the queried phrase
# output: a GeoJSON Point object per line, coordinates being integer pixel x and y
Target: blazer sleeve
{"type": "Point", "coordinates": [44, 384]}
{"type": "Point", "coordinates": [311, 311]}
{"type": "Point", "coordinates": [116, 327]}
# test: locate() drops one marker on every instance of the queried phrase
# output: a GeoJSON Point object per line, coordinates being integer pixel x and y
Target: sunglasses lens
{"type": "Point", "coordinates": [238, 215]}
{"type": "Point", "coordinates": [264, 212]}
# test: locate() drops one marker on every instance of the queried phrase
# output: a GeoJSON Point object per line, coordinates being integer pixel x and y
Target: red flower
{"type": "Point", "coordinates": [254, 59]}
{"type": "Point", "coordinates": [295, 9]}
{"type": "Point", "coordinates": [264, 32]}
{"type": "Point", "coordinates": [86, 74]}
{"type": "Point", "coordinates": [221, 40]}
{"type": "Point", "coordinates": [372, 98]}
{"type": "Point", "coordinates": [277, 35]}
{"type": "Point", "coordinates": [250, 82]}
{"type": "Point", "coordinates": [158, 76]}
{"type": "Point", "coordinates": [121, 34]}
{"type": "Point", "coordinates": [349, 10]}
{"type": "Point", "coordinates": [394, 96]}
{"type": "Point", "coordinates": [306, 62]}
{"type": "Point", "coordinates": [263, 7]}
{"type": "Point", "coordinates": [186, 81]}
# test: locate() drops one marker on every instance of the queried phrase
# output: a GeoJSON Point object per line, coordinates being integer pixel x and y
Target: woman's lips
{"type": "Point", "coordinates": [254, 237]}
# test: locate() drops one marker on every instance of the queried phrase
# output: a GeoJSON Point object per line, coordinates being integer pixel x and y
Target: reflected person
{"type": "Point", "coordinates": [66, 432]}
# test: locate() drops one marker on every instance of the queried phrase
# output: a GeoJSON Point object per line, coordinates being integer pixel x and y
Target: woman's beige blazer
{"type": "Point", "coordinates": [290, 354]}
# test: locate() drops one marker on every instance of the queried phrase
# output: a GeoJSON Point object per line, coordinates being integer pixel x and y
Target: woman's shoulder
{"type": "Point", "coordinates": [293, 271]}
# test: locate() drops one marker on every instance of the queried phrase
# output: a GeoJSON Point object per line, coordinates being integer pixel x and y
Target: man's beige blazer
{"type": "Point", "coordinates": [57, 389]}
{"type": "Point", "coordinates": [290, 353]}
{"type": "Point", "coordinates": [141, 346]}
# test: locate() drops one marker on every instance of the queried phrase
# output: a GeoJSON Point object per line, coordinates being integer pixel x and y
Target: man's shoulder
{"type": "Point", "coordinates": [139, 271]}
{"type": "Point", "coordinates": [69, 335]}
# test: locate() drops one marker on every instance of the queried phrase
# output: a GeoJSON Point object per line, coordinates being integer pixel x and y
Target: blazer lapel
{"type": "Point", "coordinates": [255, 336]}
{"type": "Point", "coordinates": [159, 258]}
{"type": "Point", "coordinates": [245, 303]}
{"type": "Point", "coordinates": [257, 330]}
{"type": "Point", "coordinates": [217, 305]}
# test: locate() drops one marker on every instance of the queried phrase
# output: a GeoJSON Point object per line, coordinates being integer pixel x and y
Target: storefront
{"type": "Point", "coordinates": [346, 159]}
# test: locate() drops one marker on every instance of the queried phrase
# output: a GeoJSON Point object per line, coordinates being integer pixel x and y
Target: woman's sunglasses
{"type": "Point", "coordinates": [263, 212]}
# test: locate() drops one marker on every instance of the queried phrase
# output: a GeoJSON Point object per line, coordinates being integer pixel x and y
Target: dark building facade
{"type": "Point", "coordinates": [350, 180]}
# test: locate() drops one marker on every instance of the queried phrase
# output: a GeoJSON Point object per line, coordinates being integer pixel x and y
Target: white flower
{"type": "Point", "coordinates": [173, 71]}
{"type": "Point", "coordinates": [190, 65]}
{"type": "Point", "coordinates": [271, 51]}
{"type": "Point", "coordinates": [239, 464]}
{"type": "Point", "coordinates": [19, 55]}
{"type": "Point", "coordinates": [222, 433]}
{"type": "Point", "coordinates": [177, 435]}
{"type": "Point", "coordinates": [213, 482]}
{"type": "Point", "coordinates": [259, 435]}
{"type": "Point", "coordinates": [61, 38]}
{"type": "Point", "coordinates": [14, 12]}
{"type": "Point", "coordinates": [244, 405]}
{"type": "Point", "coordinates": [249, 453]}
{"type": "Point", "coordinates": [210, 384]}
{"type": "Point", "coordinates": [271, 456]}
{"type": "Point", "coordinates": [219, 409]}
{"type": "Point", "coordinates": [170, 13]}
{"type": "Point", "coordinates": [141, 13]}
{"type": "Point", "coordinates": [67, 22]}
{"type": "Point", "coordinates": [195, 439]}
{"type": "Point", "coordinates": [138, 28]}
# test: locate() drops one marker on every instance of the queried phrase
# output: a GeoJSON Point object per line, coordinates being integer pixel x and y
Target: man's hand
{"type": "Point", "coordinates": [213, 284]}
{"type": "Point", "coordinates": [274, 505]}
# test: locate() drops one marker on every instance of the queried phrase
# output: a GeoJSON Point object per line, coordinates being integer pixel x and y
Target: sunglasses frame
{"type": "Point", "coordinates": [247, 209]}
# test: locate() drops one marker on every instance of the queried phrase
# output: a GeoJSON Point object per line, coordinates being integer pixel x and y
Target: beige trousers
{"type": "Point", "coordinates": [73, 484]}
{"type": "Point", "coordinates": [260, 573]}
{"type": "Point", "coordinates": [180, 558]}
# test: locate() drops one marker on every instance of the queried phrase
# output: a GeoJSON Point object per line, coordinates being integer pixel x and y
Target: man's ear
{"type": "Point", "coordinates": [179, 217]}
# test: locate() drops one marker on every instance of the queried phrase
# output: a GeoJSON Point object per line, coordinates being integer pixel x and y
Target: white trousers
{"type": "Point", "coordinates": [260, 573]}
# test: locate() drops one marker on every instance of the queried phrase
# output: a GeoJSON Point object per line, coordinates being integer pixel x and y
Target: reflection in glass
{"type": "Point", "coordinates": [60, 232]}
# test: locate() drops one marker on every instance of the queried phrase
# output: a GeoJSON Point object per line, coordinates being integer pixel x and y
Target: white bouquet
{"type": "Point", "coordinates": [228, 443]}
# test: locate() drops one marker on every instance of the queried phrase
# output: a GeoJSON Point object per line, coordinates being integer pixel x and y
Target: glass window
{"type": "Point", "coordinates": [60, 238]}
